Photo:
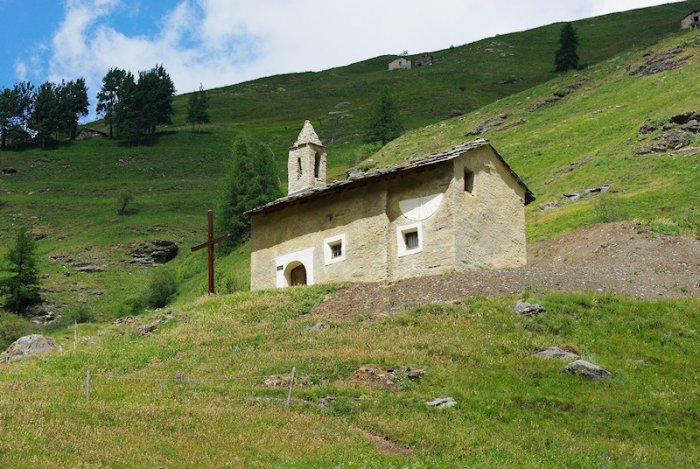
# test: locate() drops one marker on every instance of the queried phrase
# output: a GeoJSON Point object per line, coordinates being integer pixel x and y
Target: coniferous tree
{"type": "Point", "coordinates": [252, 181]}
{"type": "Point", "coordinates": [47, 117]}
{"type": "Point", "coordinates": [21, 286]}
{"type": "Point", "coordinates": [128, 116]}
{"type": "Point", "coordinates": [108, 95]}
{"type": "Point", "coordinates": [15, 107]}
{"type": "Point", "coordinates": [74, 103]}
{"type": "Point", "coordinates": [154, 92]}
{"type": "Point", "coordinates": [384, 124]}
{"type": "Point", "coordinates": [197, 108]}
{"type": "Point", "coordinates": [566, 57]}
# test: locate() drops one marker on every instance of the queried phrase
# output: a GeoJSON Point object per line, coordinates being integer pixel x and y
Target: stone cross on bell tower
{"type": "Point", "coordinates": [306, 167]}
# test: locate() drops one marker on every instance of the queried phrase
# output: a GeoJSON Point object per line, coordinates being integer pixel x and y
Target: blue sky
{"type": "Point", "coordinates": [221, 42]}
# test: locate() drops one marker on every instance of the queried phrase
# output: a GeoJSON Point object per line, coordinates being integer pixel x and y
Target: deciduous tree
{"type": "Point", "coordinates": [108, 95]}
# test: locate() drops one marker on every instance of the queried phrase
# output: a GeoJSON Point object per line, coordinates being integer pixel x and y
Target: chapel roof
{"type": "Point", "coordinates": [368, 177]}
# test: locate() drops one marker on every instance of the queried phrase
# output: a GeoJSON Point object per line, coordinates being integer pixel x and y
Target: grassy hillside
{"type": "Point", "coordinates": [69, 194]}
{"type": "Point", "coordinates": [591, 136]}
{"type": "Point", "coordinates": [513, 410]}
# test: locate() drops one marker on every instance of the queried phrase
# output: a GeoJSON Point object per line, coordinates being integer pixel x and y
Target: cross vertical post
{"type": "Point", "coordinates": [209, 244]}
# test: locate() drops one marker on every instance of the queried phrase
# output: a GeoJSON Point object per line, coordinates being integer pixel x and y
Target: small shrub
{"type": "Point", "coordinates": [124, 199]}
{"type": "Point", "coordinates": [81, 314]}
{"type": "Point", "coordinates": [607, 208]}
{"type": "Point", "coordinates": [161, 289]}
{"type": "Point", "coordinates": [12, 327]}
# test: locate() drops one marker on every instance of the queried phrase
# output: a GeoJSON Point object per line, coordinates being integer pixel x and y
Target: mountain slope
{"type": "Point", "coordinates": [590, 128]}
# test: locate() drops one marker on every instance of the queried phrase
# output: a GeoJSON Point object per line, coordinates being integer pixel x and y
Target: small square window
{"type": "Point", "coordinates": [468, 181]}
{"type": "Point", "coordinates": [410, 238]}
{"type": "Point", "coordinates": [334, 249]}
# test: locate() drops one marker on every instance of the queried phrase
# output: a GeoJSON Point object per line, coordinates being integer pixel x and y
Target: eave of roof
{"type": "Point", "coordinates": [313, 193]}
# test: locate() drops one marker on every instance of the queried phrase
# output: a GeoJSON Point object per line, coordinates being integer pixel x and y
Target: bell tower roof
{"type": "Point", "coordinates": [307, 135]}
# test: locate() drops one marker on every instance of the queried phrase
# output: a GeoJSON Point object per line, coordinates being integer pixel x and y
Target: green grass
{"type": "Point", "coordinates": [71, 193]}
{"type": "Point", "coordinates": [588, 138]}
{"type": "Point", "coordinates": [513, 410]}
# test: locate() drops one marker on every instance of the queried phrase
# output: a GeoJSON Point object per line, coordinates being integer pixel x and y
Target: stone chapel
{"type": "Point", "coordinates": [461, 209]}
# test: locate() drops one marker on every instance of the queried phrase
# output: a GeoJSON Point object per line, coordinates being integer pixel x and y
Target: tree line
{"type": "Point", "coordinates": [132, 106]}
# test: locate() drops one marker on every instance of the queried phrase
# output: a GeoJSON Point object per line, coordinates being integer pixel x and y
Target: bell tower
{"type": "Point", "coordinates": [306, 167]}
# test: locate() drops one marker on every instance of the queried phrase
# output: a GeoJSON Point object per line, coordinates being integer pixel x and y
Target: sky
{"type": "Point", "coordinates": [222, 42]}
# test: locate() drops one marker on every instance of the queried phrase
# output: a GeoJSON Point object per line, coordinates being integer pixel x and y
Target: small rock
{"type": "Point", "coordinates": [587, 369]}
{"type": "Point", "coordinates": [149, 327]}
{"type": "Point", "coordinates": [325, 401]}
{"type": "Point", "coordinates": [549, 206]}
{"type": "Point", "coordinates": [572, 196]}
{"type": "Point", "coordinates": [98, 292]}
{"type": "Point", "coordinates": [342, 104]}
{"type": "Point", "coordinates": [317, 326]}
{"type": "Point", "coordinates": [441, 403]}
{"type": "Point", "coordinates": [524, 308]}
{"type": "Point", "coordinates": [89, 340]}
{"type": "Point", "coordinates": [125, 320]}
{"type": "Point", "coordinates": [557, 352]}
{"type": "Point", "coordinates": [26, 346]}
{"type": "Point", "coordinates": [8, 171]}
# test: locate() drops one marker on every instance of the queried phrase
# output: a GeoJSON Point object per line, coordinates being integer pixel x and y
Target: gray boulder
{"type": "Point", "coordinates": [26, 346]}
{"type": "Point", "coordinates": [154, 252]}
{"type": "Point", "coordinates": [587, 369]}
{"type": "Point", "coordinates": [441, 403]}
{"type": "Point", "coordinates": [557, 352]}
{"type": "Point", "coordinates": [524, 308]}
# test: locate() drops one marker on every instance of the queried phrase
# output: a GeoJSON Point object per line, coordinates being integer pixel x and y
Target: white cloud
{"type": "Point", "coordinates": [21, 70]}
{"type": "Point", "coordinates": [220, 42]}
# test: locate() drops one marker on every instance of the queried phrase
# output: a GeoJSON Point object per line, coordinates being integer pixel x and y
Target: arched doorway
{"type": "Point", "coordinates": [296, 274]}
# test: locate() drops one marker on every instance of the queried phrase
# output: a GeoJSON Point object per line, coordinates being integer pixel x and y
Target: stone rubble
{"type": "Point", "coordinates": [524, 308]}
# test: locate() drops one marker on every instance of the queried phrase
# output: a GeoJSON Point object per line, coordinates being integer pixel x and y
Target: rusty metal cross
{"type": "Point", "coordinates": [209, 244]}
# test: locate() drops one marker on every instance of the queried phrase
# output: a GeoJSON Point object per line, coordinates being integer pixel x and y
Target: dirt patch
{"type": "Point", "coordinates": [384, 444]}
{"type": "Point", "coordinates": [613, 257]}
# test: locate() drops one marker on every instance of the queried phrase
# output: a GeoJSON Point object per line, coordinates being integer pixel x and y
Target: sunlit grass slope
{"type": "Point", "coordinates": [512, 410]}
{"type": "Point", "coordinates": [590, 137]}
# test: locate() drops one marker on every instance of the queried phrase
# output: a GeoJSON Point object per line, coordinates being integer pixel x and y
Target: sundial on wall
{"type": "Point", "coordinates": [420, 208]}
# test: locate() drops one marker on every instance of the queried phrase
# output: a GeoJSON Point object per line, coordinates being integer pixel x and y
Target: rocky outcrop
{"type": "Point", "coordinates": [154, 253]}
{"type": "Point", "coordinates": [661, 62]}
{"type": "Point", "coordinates": [27, 346]}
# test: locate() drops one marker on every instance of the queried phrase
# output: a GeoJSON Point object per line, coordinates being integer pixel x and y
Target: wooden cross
{"type": "Point", "coordinates": [209, 243]}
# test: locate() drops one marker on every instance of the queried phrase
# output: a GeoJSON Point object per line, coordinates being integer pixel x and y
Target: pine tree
{"type": "Point", "coordinates": [21, 287]}
{"type": "Point", "coordinates": [47, 117]}
{"type": "Point", "coordinates": [566, 57]}
{"type": "Point", "coordinates": [108, 95]}
{"type": "Point", "coordinates": [197, 108]}
{"type": "Point", "coordinates": [75, 104]}
{"type": "Point", "coordinates": [252, 181]}
{"type": "Point", "coordinates": [383, 124]}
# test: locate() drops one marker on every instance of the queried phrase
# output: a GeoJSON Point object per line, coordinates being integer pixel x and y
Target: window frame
{"type": "Point", "coordinates": [401, 247]}
{"type": "Point", "coordinates": [328, 244]}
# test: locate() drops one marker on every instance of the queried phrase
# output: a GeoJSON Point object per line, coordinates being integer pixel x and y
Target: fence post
{"type": "Point", "coordinates": [87, 386]}
{"type": "Point", "coordinates": [291, 386]}
{"type": "Point", "coordinates": [75, 335]}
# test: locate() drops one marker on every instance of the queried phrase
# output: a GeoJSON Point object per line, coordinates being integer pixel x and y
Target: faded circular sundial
{"type": "Point", "coordinates": [420, 208]}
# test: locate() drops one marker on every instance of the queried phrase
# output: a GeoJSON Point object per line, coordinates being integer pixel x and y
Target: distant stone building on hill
{"type": "Point", "coordinates": [423, 60]}
{"type": "Point", "coordinates": [456, 210]}
{"type": "Point", "coordinates": [402, 63]}
{"type": "Point", "coordinates": [692, 21]}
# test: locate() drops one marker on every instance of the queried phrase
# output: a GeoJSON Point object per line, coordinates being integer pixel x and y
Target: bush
{"type": "Point", "coordinates": [81, 314]}
{"type": "Point", "coordinates": [124, 199]}
{"type": "Point", "coordinates": [12, 327]}
{"type": "Point", "coordinates": [161, 289]}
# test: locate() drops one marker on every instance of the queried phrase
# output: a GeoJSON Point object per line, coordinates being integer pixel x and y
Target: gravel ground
{"type": "Point", "coordinates": [614, 257]}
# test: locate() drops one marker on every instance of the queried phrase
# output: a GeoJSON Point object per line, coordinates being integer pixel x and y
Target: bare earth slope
{"type": "Point", "coordinates": [613, 257]}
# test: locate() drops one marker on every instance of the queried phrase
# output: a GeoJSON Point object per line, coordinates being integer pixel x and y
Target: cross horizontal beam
{"type": "Point", "coordinates": [225, 237]}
